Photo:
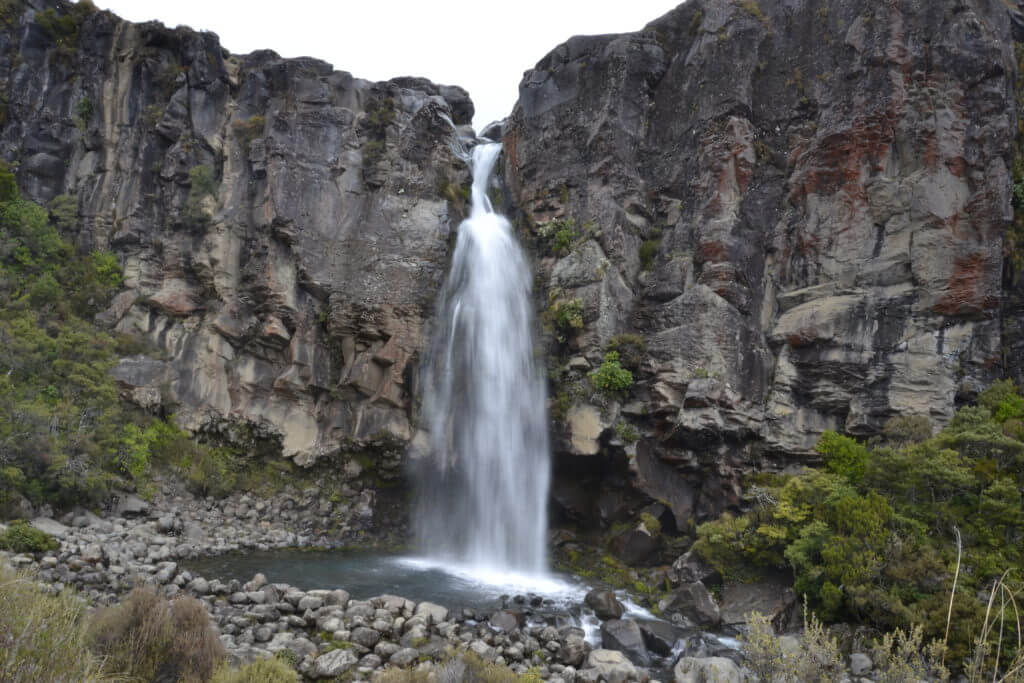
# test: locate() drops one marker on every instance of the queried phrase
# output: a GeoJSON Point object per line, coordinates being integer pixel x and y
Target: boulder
{"type": "Point", "coordinates": [130, 505]}
{"type": "Point", "coordinates": [610, 666]}
{"type": "Point", "coordinates": [636, 547]}
{"type": "Point", "coordinates": [624, 635]}
{"type": "Point", "coordinates": [660, 637]}
{"type": "Point", "coordinates": [573, 648]}
{"type": "Point", "coordinates": [334, 663]}
{"type": "Point", "coordinates": [773, 599]}
{"type": "Point", "coordinates": [694, 602]}
{"type": "Point", "coordinates": [690, 567]}
{"type": "Point", "coordinates": [604, 603]}
{"type": "Point", "coordinates": [50, 526]}
{"type": "Point", "coordinates": [434, 614]}
{"type": "Point", "coordinates": [506, 620]}
{"type": "Point", "coordinates": [708, 670]}
{"type": "Point", "coordinates": [404, 657]}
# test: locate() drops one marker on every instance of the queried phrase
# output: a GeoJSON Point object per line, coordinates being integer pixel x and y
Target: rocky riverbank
{"type": "Point", "coordinates": [328, 633]}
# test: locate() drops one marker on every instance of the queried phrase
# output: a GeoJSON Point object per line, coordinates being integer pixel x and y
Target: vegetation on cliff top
{"type": "Point", "coordinates": [871, 537]}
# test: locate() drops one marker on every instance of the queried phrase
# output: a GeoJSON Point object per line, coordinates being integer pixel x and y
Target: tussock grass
{"type": "Point", "coordinates": [274, 670]}
{"type": "Point", "coordinates": [43, 636]}
{"type": "Point", "coordinates": [151, 638]}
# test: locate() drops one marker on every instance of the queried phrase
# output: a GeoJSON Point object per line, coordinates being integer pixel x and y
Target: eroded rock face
{"type": "Point", "coordinates": [283, 226]}
{"type": "Point", "coordinates": [799, 207]}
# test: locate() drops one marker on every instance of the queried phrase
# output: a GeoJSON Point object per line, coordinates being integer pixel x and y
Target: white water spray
{"type": "Point", "coordinates": [483, 490]}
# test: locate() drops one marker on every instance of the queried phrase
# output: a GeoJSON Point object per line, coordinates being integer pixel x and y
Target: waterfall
{"type": "Point", "coordinates": [483, 487]}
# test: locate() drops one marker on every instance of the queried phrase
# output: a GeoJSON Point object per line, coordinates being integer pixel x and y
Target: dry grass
{"type": "Point", "coordinates": [817, 658]}
{"type": "Point", "coordinates": [274, 670]}
{"type": "Point", "coordinates": [154, 639]}
{"type": "Point", "coordinates": [42, 636]}
{"type": "Point", "coordinates": [1002, 625]}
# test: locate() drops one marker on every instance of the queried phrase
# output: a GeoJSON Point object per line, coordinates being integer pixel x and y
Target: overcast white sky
{"type": "Point", "coordinates": [484, 47]}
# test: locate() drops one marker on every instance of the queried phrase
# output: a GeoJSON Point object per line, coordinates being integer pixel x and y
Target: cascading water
{"type": "Point", "coordinates": [482, 491]}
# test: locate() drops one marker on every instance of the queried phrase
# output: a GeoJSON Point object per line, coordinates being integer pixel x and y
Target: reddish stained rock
{"type": "Point", "coordinates": [972, 288]}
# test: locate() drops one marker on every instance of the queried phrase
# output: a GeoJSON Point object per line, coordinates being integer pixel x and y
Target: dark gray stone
{"type": "Point", "coordinates": [604, 603]}
{"type": "Point", "coordinates": [624, 635]}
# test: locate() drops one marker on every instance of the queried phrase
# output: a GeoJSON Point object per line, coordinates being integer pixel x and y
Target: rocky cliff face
{"type": "Point", "coordinates": [799, 207]}
{"type": "Point", "coordinates": [787, 216]}
{"type": "Point", "coordinates": [283, 227]}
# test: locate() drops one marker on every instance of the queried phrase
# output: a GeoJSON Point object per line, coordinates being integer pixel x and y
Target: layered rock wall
{"type": "Point", "coordinates": [797, 209]}
{"type": "Point", "coordinates": [800, 208]}
{"type": "Point", "coordinates": [283, 226]}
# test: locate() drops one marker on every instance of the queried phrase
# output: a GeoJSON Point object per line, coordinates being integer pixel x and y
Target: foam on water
{"type": "Point", "coordinates": [494, 580]}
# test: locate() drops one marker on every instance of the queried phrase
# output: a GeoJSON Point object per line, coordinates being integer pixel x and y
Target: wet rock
{"type": "Point", "coordinates": [573, 648]}
{"type": "Point", "coordinates": [624, 635]}
{"type": "Point", "coordinates": [604, 603]}
{"type": "Point", "coordinates": [660, 637]}
{"type": "Point", "coordinates": [506, 620]}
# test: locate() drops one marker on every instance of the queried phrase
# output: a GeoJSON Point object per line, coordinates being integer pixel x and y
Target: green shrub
{"type": "Point", "coordinates": [651, 522]}
{"type": "Point", "coordinates": [630, 348]}
{"type": "Point", "coordinates": [201, 186]}
{"type": "Point", "coordinates": [611, 378]}
{"type": "Point", "coordinates": [249, 129]}
{"type": "Point", "coordinates": [564, 316]}
{"type": "Point", "coordinates": [42, 636]}
{"type": "Point", "coordinates": [626, 432]}
{"type": "Point", "coordinates": [871, 539]}
{"type": "Point", "coordinates": [648, 251]}
{"type": "Point", "coordinates": [272, 670]}
{"type": "Point", "coordinates": [559, 235]}
{"type": "Point", "coordinates": [61, 28]}
{"type": "Point", "coordinates": [64, 212]}
{"type": "Point", "coordinates": [83, 113]}
{"type": "Point", "coordinates": [151, 638]}
{"type": "Point", "coordinates": [905, 429]}
{"type": "Point", "coordinates": [8, 184]}
{"type": "Point", "coordinates": [843, 455]}
{"type": "Point", "coordinates": [22, 537]}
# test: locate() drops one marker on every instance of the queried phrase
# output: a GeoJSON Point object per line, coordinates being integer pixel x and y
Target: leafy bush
{"type": "Point", "coordinates": [151, 638]}
{"type": "Point", "coordinates": [871, 538]}
{"type": "Point", "coordinates": [611, 377]}
{"type": "Point", "coordinates": [42, 636]}
{"type": "Point", "coordinates": [626, 432]}
{"type": "Point", "coordinates": [59, 412]}
{"type": "Point", "coordinates": [565, 316]}
{"type": "Point", "coordinates": [843, 455]}
{"type": "Point", "coordinates": [559, 235]}
{"type": "Point", "coordinates": [22, 537]}
{"type": "Point", "coordinates": [272, 670]}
